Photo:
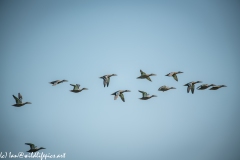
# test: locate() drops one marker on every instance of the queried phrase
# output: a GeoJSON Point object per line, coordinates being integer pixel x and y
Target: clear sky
{"type": "Point", "coordinates": [80, 41]}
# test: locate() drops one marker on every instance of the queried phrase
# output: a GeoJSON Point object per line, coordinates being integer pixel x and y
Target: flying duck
{"type": "Point", "coordinates": [19, 101]}
{"type": "Point", "coordinates": [106, 79]}
{"type": "Point", "coordinates": [54, 83]}
{"type": "Point", "coordinates": [145, 76]}
{"type": "Point", "coordinates": [146, 96]}
{"type": "Point", "coordinates": [191, 85]}
{"type": "Point", "coordinates": [76, 88]}
{"type": "Point", "coordinates": [217, 87]}
{"type": "Point", "coordinates": [165, 88]}
{"type": "Point", "coordinates": [33, 148]}
{"type": "Point", "coordinates": [174, 75]}
{"type": "Point", "coordinates": [120, 93]}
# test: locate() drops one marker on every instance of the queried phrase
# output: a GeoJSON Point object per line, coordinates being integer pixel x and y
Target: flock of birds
{"type": "Point", "coordinates": [106, 81]}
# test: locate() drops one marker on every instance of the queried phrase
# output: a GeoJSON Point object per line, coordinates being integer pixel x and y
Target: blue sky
{"type": "Point", "coordinates": [80, 41]}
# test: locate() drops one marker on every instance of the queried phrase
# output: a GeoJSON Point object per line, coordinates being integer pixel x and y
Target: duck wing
{"type": "Point", "coordinates": [55, 82]}
{"type": "Point", "coordinates": [144, 94]}
{"type": "Point", "coordinates": [105, 79]}
{"type": "Point", "coordinates": [116, 95]}
{"type": "Point", "coordinates": [108, 81]}
{"type": "Point", "coordinates": [18, 101]}
{"type": "Point", "coordinates": [142, 73]}
{"type": "Point", "coordinates": [76, 87]}
{"type": "Point", "coordinates": [32, 146]}
{"type": "Point", "coordinates": [175, 77]}
{"type": "Point", "coordinates": [192, 88]}
{"type": "Point", "coordinates": [148, 78]}
{"type": "Point", "coordinates": [122, 97]}
{"type": "Point", "coordinates": [19, 96]}
{"type": "Point", "coordinates": [188, 89]}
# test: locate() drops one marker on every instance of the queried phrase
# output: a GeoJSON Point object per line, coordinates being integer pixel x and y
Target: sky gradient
{"type": "Point", "coordinates": [80, 41]}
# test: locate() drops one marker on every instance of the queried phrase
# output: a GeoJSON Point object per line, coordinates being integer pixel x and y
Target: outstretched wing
{"type": "Point", "coordinates": [189, 87]}
{"type": "Point", "coordinates": [73, 86]}
{"type": "Point", "coordinates": [192, 88]}
{"type": "Point", "coordinates": [175, 77]}
{"type": "Point", "coordinates": [108, 81]}
{"type": "Point", "coordinates": [18, 101]}
{"type": "Point", "coordinates": [76, 87]}
{"type": "Point", "coordinates": [116, 95]}
{"type": "Point", "coordinates": [142, 73]}
{"type": "Point", "coordinates": [122, 97]}
{"type": "Point", "coordinates": [105, 80]}
{"type": "Point", "coordinates": [19, 96]}
{"type": "Point", "coordinates": [104, 83]}
{"type": "Point", "coordinates": [32, 146]}
{"type": "Point", "coordinates": [63, 81]}
{"type": "Point", "coordinates": [144, 94]}
{"type": "Point", "coordinates": [148, 78]}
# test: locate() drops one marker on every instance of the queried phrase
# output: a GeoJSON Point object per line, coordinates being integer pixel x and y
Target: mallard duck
{"type": "Point", "coordinates": [205, 86]}
{"type": "Point", "coordinates": [33, 148]}
{"type": "Point", "coordinates": [145, 76]}
{"type": "Point", "coordinates": [54, 83]}
{"type": "Point", "coordinates": [120, 93]}
{"type": "Point", "coordinates": [106, 79]}
{"type": "Point", "coordinates": [174, 75]}
{"type": "Point", "coordinates": [76, 88]}
{"type": "Point", "coordinates": [146, 96]}
{"type": "Point", "coordinates": [191, 85]}
{"type": "Point", "coordinates": [217, 87]}
{"type": "Point", "coordinates": [19, 101]}
{"type": "Point", "coordinates": [165, 88]}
